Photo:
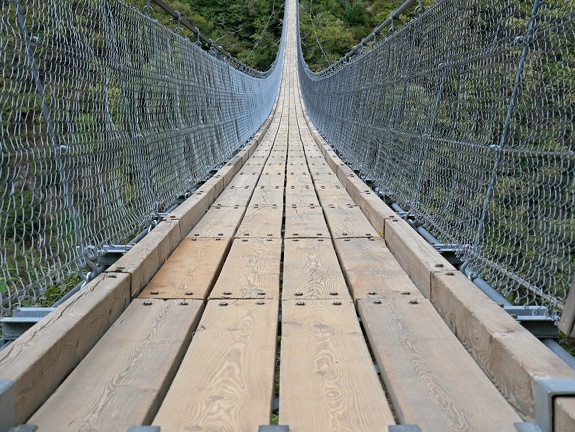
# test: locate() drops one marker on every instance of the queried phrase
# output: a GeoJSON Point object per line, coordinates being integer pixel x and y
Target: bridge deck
{"type": "Point", "coordinates": [294, 282]}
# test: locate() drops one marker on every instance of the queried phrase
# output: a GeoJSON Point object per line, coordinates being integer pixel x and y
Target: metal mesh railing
{"type": "Point", "coordinates": [464, 117]}
{"type": "Point", "coordinates": [106, 117]}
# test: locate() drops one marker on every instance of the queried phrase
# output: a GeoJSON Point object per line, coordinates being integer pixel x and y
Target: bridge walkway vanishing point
{"type": "Point", "coordinates": [283, 264]}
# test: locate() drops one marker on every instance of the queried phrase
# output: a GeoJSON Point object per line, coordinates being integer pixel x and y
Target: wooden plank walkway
{"type": "Point", "coordinates": [273, 282]}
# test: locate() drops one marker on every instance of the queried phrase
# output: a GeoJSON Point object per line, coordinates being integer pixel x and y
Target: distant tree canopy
{"type": "Point", "coordinates": [250, 29]}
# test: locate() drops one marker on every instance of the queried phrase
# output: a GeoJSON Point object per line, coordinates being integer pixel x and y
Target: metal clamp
{"type": "Point", "coordinates": [545, 391]}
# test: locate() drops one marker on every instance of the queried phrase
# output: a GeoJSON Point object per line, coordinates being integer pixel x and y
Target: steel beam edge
{"type": "Point", "coordinates": [404, 428]}
{"type": "Point", "coordinates": [273, 428]}
{"type": "Point", "coordinates": [144, 429]}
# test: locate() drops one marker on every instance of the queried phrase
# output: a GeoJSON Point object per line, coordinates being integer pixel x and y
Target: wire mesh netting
{"type": "Point", "coordinates": [464, 117]}
{"type": "Point", "coordinates": [106, 117]}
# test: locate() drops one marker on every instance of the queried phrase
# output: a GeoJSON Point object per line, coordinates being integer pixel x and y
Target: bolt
{"type": "Point", "coordinates": [300, 303]}
{"type": "Point", "coordinates": [333, 293]}
{"type": "Point", "coordinates": [406, 293]}
{"type": "Point", "coordinates": [414, 301]}
{"type": "Point", "coordinates": [336, 303]}
{"type": "Point", "coordinates": [223, 303]}
{"type": "Point", "coordinates": [450, 274]}
{"type": "Point", "coordinates": [438, 265]}
{"type": "Point", "coordinates": [261, 293]}
{"type": "Point", "coordinates": [372, 292]}
{"type": "Point", "coordinates": [184, 303]}
{"type": "Point", "coordinates": [147, 303]}
{"type": "Point", "coordinates": [154, 293]}
{"type": "Point", "coordinates": [377, 302]}
{"type": "Point", "coordinates": [260, 303]}
{"type": "Point", "coordinates": [112, 275]}
{"type": "Point", "coordinates": [227, 293]}
{"type": "Point", "coordinates": [188, 293]}
{"type": "Point", "coordinates": [298, 294]}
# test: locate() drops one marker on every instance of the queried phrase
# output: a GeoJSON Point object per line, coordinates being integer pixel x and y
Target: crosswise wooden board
{"type": "Point", "coordinates": [225, 382]}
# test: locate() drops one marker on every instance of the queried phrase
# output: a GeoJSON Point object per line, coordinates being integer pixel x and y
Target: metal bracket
{"type": "Point", "coordinates": [7, 404]}
{"type": "Point", "coordinates": [273, 428]}
{"type": "Point", "coordinates": [404, 428]}
{"type": "Point", "coordinates": [545, 391]}
{"type": "Point", "coordinates": [526, 427]}
{"type": "Point", "coordinates": [24, 428]}
{"type": "Point", "coordinates": [144, 429]}
{"type": "Point", "coordinates": [534, 319]}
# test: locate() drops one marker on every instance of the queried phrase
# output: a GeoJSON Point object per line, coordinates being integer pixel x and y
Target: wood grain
{"type": "Point", "coordinates": [334, 197]}
{"type": "Point", "coordinates": [265, 196]}
{"type": "Point", "coordinates": [432, 380]}
{"type": "Point", "coordinates": [348, 222]}
{"type": "Point", "coordinates": [272, 177]}
{"type": "Point", "coordinates": [414, 254]}
{"type": "Point", "coordinates": [301, 197]}
{"type": "Point", "coordinates": [146, 257]}
{"type": "Point", "coordinates": [191, 271]}
{"type": "Point", "coordinates": [122, 381]}
{"type": "Point", "coordinates": [219, 222]}
{"type": "Point", "coordinates": [371, 270]}
{"type": "Point", "coordinates": [327, 379]}
{"type": "Point", "coordinates": [225, 381]}
{"type": "Point", "coordinates": [261, 222]}
{"type": "Point", "coordinates": [375, 210]}
{"type": "Point", "coordinates": [42, 357]}
{"type": "Point", "coordinates": [251, 268]}
{"type": "Point", "coordinates": [305, 222]}
{"type": "Point", "coordinates": [311, 271]}
{"type": "Point", "coordinates": [235, 196]}
{"type": "Point", "coordinates": [508, 353]}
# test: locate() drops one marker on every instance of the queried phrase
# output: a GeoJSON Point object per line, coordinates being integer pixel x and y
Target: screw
{"type": "Point", "coordinates": [372, 292]}
{"type": "Point", "coordinates": [184, 303]}
{"type": "Point", "coordinates": [450, 274]}
{"type": "Point", "coordinates": [438, 265]}
{"type": "Point", "coordinates": [333, 293]}
{"type": "Point", "coordinates": [405, 293]}
{"type": "Point", "coordinates": [298, 294]}
{"type": "Point", "coordinates": [147, 303]}
{"type": "Point", "coordinates": [260, 303]}
{"type": "Point", "coordinates": [336, 303]}
{"type": "Point", "coordinates": [223, 303]}
{"type": "Point", "coordinates": [112, 275]}
{"type": "Point", "coordinates": [414, 301]}
{"type": "Point", "coordinates": [377, 301]}
{"type": "Point", "coordinates": [188, 293]}
{"type": "Point", "coordinates": [300, 303]}
{"type": "Point", "coordinates": [154, 293]}
{"type": "Point", "coordinates": [227, 293]}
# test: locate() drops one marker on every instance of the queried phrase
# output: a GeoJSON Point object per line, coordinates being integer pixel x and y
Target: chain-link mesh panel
{"type": "Point", "coordinates": [465, 118]}
{"type": "Point", "coordinates": [105, 117]}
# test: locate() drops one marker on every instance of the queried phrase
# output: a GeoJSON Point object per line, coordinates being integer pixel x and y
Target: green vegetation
{"type": "Point", "coordinates": [249, 30]}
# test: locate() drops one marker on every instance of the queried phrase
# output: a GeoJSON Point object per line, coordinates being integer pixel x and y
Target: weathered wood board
{"type": "Point", "coordinates": [261, 222]}
{"type": "Point", "coordinates": [305, 222]}
{"type": "Point", "coordinates": [219, 222]}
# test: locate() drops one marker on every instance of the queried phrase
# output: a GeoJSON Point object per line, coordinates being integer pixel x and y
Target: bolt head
{"type": "Point", "coordinates": [223, 303]}
{"type": "Point", "coordinates": [300, 303]}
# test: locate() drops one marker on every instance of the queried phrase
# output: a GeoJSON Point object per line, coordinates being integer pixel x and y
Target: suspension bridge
{"type": "Point", "coordinates": [317, 249]}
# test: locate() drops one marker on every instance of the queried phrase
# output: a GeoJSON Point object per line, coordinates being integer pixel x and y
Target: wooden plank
{"type": "Point", "coordinates": [251, 270]}
{"type": "Point", "coordinates": [505, 350]}
{"type": "Point", "coordinates": [348, 222]}
{"type": "Point", "coordinates": [265, 196]}
{"type": "Point", "coordinates": [146, 257]}
{"type": "Point", "coordinates": [41, 358]}
{"type": "Point", "coordinates": [301, 197]}
{"type": "Point", "coordinates": [334, 197]}
{"type": "Point", "coordinates": [305, 222]}
{"type": "Point", "coordinates": [564, 420]}
{"type": "Point", "coordinates": [430, 377]}
{"type": "Point", "coordinates": [191, 211]}
{"type": "Point", "coordinates": [219, 222]}
{"type": "Point", "coordinates": [123, 380]}
{"type": "Point", "coordinates": [272, 178]}
{"type": "Point", "coordinates": [299, 182]}
{"type": "Point", "coordinates": [311, 271]}
{"type": "Point", "coordinates": [235, 196]}
{"type": "Point", "coordinates": [191, 270]}
{"type": "Point", "coordinates": [327, 379]}
{"type": "Point", "coordinates": [261, 222]}
{"type": "Point", "coordinates": [225, 381]}
{"type": "Point", "coordinates": [416, 256]}
{"type": "Point", "coordinates": [371, 270]}
{"type": "Point", "coordinates": [375, 210]}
